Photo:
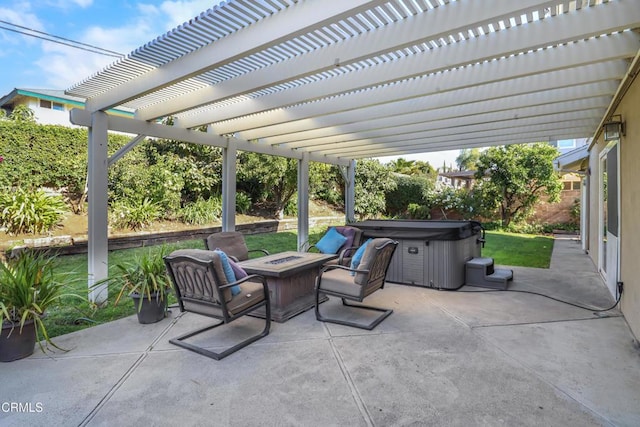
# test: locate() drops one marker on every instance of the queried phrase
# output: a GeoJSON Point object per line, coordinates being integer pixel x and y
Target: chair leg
{"type": "Point", "coordinates": [368, 326]}
{"type": "Point", "coordinates": [179, 341]}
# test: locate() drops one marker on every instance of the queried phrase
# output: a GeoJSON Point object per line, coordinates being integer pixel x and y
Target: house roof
{"type": "Point", "coordinates": [573, 161]}
{"type": "Point", "coordinates": [466, 175]}
{"type": "Point", "coordinates": [348, 79]}
{"type": "Point", "coordinates": [51, 95]}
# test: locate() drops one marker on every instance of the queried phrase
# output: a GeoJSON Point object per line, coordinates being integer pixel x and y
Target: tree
{"type": "Point", "coordinates": [373, 180]}
{"type": "Point", "coordinates": [517, 175]}
{"type": "Point", "coordinates": [412, 167]}
{"type": "Point", "coordinates": [467, 159]}
{"type": "Point", "coordinates": [270, 179]}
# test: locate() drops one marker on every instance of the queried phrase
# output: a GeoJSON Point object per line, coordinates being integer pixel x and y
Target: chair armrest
{"type": "Point", "coordinates": [329, 267]}
{"type": "Point", "coordinates": [245, 279]}
{"type": "Point", "coordinates": [252, 278]}
{"type": "Point", "coordinates": [347, 252]}
{"type": "Point", "coordinates": [264, 251]}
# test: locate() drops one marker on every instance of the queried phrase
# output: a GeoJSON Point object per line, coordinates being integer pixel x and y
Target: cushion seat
{"type": "Point", "coordinates": [340, 281]}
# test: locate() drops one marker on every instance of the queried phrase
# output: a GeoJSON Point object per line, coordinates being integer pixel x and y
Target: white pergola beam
{"type": "Point", "coordinates": [548, 129]}
{"type": "Point", "coordinates": [411, 114]}
{"type": "Point", "coordinates": [456, 116]}
{"type": "Point", "coordinates": [526, 139]}
{"type": "Point", "coordinates": [523, 38]}
{"type": "Point", "coordinates": [580, 54]}
{"type": "Point", "coordinates": [288, 23]}
{"type": "Point", "coordinates": [437, 23]}
{"type": "Point", "coordinates": [587, 117]}
{"type": "Point", "coordinates": [330, 124]}
{"type": "Point", "coordinates": [120, 124]}
{"type": "Point", "coordinates": [421, 146]}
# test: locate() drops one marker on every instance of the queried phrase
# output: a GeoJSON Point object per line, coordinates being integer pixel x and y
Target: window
{"type": "Point", "coordinates": [576, 185]}
{"type": "Point", "coordinates": [51, 105]}
{"type": "Point", "coordinates": [566, 143]}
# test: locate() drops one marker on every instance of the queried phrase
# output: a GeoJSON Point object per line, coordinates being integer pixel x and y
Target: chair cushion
{"type": "Point", "coordinates": [228, 271]}
{"type": "Point", "coordinates": [237, 270]}
{"type": "Point", "coordinates": [370, 253]}
{"type": "Point", "coordinates": [252, 293]}
{"type": "Point", "coordinates": [331, 242]}
{"type": "Point", "coordinates": [349, 233]}
{"type": "Point", "coordinates": [339, 281]}
{"type": "Point", "coordinates": [204, 255]}
{"type": "Point", "coordinates": [357, 257]}
{"type": "Point", "coordinates": [231, 242]}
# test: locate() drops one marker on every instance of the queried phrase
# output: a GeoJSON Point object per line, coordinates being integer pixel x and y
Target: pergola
{"type": "Point", "coordinates": [338, 80]}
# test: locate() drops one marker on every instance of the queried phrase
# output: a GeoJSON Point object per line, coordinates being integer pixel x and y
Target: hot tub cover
{"type": "Point", "coordinates": [419, 229]}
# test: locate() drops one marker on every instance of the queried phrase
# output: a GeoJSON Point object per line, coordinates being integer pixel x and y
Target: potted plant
{"type": "Point", "coordinates": [146, 282]}
{"type": "Point", "coordinates": [28, 287]}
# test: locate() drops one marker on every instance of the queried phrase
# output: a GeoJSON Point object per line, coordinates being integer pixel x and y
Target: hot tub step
{"type": "Point", "coordinates": [480, 272]}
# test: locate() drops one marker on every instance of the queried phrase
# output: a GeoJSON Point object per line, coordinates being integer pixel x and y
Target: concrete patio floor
{"type": "Point", "coordinates": [442, 358]}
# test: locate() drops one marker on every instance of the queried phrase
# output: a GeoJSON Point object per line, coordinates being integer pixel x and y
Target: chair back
{"type": "Point", "coordinates": [230, 242]}
{"type": "Point", "coordinates": [197, 275]}
{"type": "Point", "coordinates": [376, 259]}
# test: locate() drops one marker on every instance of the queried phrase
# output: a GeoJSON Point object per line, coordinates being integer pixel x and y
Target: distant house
{"type": "Point", "coordinates": [50, 107]}
{"type": "Point", "coordinates": [457, 179]}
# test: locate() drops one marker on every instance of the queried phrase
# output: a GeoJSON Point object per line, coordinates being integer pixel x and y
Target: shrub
{"type": "Point", "coordinates": [24, 211]}
{"type": "Point", "coordinates": [291, 208]}
{"type": "Point", "coordinates": [243, 202]}
{"type": "Point", "coordinates": [416, 211]}
{"type": "Point", "coordinates": [134, 215]}
{"type": "Point", "coordinates": [409, 190]}
{"type": "Point", "coordinates": [201, 211]}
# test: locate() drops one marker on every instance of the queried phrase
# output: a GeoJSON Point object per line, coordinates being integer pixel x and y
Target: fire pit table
{"type": "Point", "coordinates": [291, 278]}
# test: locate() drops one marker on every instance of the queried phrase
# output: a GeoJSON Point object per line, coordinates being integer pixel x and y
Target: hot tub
{"type": "Point", "coordinates": [429, 253]}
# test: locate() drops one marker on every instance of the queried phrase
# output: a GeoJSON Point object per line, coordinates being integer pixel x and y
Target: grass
{"type": "Point", "coordinates": [523, 250]}
{"type": "Point", "coordinates": [505, 248]}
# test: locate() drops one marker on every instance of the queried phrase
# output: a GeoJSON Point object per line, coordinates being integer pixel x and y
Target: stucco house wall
{"type": "Point", "coordinates": [629, 227]}
{"type": "Point", "coordinates": [630, 207]}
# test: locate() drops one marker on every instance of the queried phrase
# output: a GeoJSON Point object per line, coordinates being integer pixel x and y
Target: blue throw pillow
{"type": "Point", "coordinates": [357, 257]}
{"type": "Point", "coordinates": [331, 242]}
{"type": "Point", "coordinates": [228, 272]}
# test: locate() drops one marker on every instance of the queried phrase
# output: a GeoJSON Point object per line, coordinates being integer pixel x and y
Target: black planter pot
{"type": "Point", "coordinates": [152, 310]}
{"type": "Point", "coordinates": [15, 345]}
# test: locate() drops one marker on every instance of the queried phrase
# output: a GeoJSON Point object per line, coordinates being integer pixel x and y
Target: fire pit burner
{"type": "Point", "coordinates": [285, 259]}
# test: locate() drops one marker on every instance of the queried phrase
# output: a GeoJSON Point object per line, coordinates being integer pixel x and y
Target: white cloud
{"type": "Point", "coordinates": [180, 12]}
{"type": "Point", "coordinates": [63, 66]}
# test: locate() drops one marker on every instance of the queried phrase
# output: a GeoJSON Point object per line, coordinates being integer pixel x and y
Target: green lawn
{"type": "Point", "coordinates": [524, 250]}
{"type": "Point", "coordinates": [505, 248]}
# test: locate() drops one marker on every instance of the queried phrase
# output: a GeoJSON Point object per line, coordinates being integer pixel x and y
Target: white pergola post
{"type": "Point", "coordinates": [98, 232]}
{"type": "Point", "coordinates": [350, 193]}
{"type": "Point", "coordinates": [229, 187]}
{"type": "Point", "coordinates": [303, 201]}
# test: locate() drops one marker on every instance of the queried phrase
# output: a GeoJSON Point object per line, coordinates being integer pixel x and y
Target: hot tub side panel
{"type": "Point", "coordinates": [436, 263]}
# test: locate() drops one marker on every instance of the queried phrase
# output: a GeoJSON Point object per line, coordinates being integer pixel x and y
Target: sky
{"type": "Point", "coordinates": [28, 62]}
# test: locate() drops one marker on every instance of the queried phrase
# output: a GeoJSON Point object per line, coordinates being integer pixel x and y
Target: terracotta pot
{"type": "Point", "coordinates": [152, 310]}
{"type": "Point", "coordinates": [15, 345]}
